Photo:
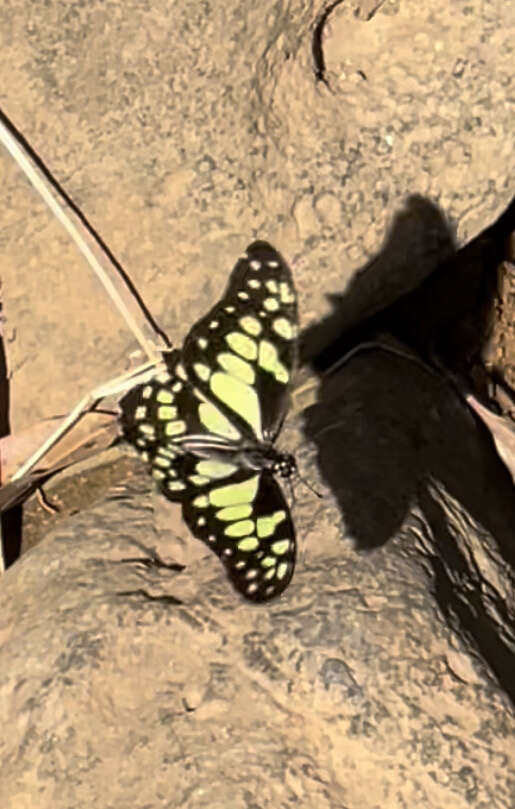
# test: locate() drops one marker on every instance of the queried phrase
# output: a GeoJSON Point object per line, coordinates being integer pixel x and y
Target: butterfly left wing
{"type": "Point", "coordinates": [245, 520]}
{"type": "Point", "coordinates": [240, 514]}
{"type": "Point", "coordinates": [242, 354]}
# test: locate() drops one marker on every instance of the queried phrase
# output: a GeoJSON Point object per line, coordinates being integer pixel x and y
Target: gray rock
{"type": "Point", "coordinates": [127, 680]}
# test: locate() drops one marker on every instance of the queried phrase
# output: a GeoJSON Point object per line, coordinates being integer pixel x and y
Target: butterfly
{"type": "Point", "coordinates": [206, 425]}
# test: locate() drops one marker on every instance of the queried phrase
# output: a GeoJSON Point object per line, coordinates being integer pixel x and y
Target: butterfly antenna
{"type": "Point", "coordinates": [309, 485]}
{"type": "Point", "coordinates": [292, 491]}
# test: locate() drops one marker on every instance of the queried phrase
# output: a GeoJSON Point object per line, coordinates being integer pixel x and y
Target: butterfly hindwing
{"type": "Point", "coordinates": [243, 352]}
{"type": "Point", "coordinates": [245, 520]}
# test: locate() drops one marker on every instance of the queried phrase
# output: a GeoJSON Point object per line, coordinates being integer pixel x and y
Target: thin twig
{"type": "Point", "coordinates": [103, 266]}
{"type": "Point", "coordinates": [115, 386]}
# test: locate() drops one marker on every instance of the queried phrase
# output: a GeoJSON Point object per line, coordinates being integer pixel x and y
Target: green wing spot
{"type": "Point", "coordinates": [282, 569]}
{"type": "Point", "coordinates": [215, 469]}
{"type": "Point", "coordinates": [269, 561]}
{"type": "Point", "coordinates": [164, 396]}
{"type": "Point", "coordinates": [242, 345]}
{"type": "Point", "coordinates": [235, 493]}
{"type": "Point", "coordinates": [166, 413]}
{"type": "Point", "coordinates": [283, 328]}
{"type": "Point", "coordinates": [268, 359]}
{"type": "Point", "coordinates": [248, 544]}
{"type": "Point", "coordinates": [239, 397]}
{"type": "Point", "coordinates": [237, 367]}
{"type": "Point", "coordinates": [232, 513]}
{"type": "Point", "coordinates": [175, 428]}
{"type": "Point", "coordinates": [202, 501]}
{"type": "Point", "coordinates": [215, 422]}
{"type": "Point", "coordinates": [199, 480]}
{"type": "Point", "coordinates": [266, 525]}
{"type": "Point", "coordinates": [158, 474]}
{"type": "Point", "coordinates": [280, 547]}
{"type": "Point", "coordinates": [269, 574]}
{"type": "Point", "coordinates": [251, 325]}
{"type": "Point", "coordinates": [203, 371]}
{"type": "Point", "coordinates": [239, 529]}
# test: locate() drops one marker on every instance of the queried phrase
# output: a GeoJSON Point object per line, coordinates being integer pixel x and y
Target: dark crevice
{"type": "Point", "coordinates": [317, 48]}
{"type": "Point", "coordinates": [154, 562]}
{"type": "Point", "coordinates": [142, 594]}
{"type": "Point", "coordinates": [459, 592]}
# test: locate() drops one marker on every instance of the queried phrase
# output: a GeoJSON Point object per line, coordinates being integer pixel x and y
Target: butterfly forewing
{"type": "Point", "coordinates": [243, 352]}
{"type": "Point", "coordinates": [201, 424]}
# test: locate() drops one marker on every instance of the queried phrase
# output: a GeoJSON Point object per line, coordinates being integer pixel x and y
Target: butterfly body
{"type": "Point", "coordinates": [207, 423]}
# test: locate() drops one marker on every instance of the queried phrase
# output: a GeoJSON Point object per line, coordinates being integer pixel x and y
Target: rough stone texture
{"type": "Point", "coordinates": [350, 691]}
{"type": "Point", "coordinates": [380, 680]}
{"type": "Point", "coordinates": [183, 132]}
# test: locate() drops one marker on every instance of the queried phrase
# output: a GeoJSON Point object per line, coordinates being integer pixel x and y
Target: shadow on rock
{"type": "Point", "coordinates": [396, 442]}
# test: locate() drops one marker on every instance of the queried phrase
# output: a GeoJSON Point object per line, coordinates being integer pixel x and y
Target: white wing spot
{"type": "Point", "coordinates": [272, 286]}
{"type": "Point", "coordinates": [255, 265]}
{"type": "Point", "coordinates": [163, 378]}
{"type": "Point", "coordinates": [146, 392]}
{"type": "Point", "coordinates": [230, 309]}
{"type": "Point", "coordinates": [140, 412]}
{"type": "Point", "coordinates": [202, 343]}
{"type": "Point", "coordinates": [253, 283]}
{"type": "Point", "coordinates": [201, 521]}
{"type": "Point", "coordinates": [243, 295]}
{"type": "Point", "coordinates": [273, 263]}
{"type": "Point", "coordinates": [148, 430]}
{"type": "Point", "coordinates": [175, 486]}
{"type": "Point", "coordinates": [214, 324]}
{"type": "Point", "coordinates": [271, 304]}
{"type": "Point", "coordinates": [203, 371]}
{"type": "Point", "coordinates": [164, 463]}
{"type": "Point", "coordinates": [252, 588]}
{"type": "Point", "coordinates": [286, 293]}
{"type": "Point", "coordinates": [177, 386]}
{"type": "Point", "coordinates": [283, 328]}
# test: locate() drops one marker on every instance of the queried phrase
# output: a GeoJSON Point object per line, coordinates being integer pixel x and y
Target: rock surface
{"type": "Point", "coordinates": [381, 679]}
{"type": "Point", "coordinates": [183, 134]}
{"type": "Point", "coordinates": [374, 682]}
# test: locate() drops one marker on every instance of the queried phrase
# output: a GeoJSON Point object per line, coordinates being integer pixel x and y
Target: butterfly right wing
{"type": "Point", "coordinates": [243, 352]}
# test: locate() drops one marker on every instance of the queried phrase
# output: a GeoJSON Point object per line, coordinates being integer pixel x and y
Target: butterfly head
{"type": "Point", "coordinates": [284, 465]}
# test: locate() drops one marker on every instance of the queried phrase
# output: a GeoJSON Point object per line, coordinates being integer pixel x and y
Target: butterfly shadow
{"type": "Point", "coordinates": [393, 435]}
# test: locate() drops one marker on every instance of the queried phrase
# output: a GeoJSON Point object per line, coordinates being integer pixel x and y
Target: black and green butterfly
{"type": "Point", "coordinates": [206, 426]}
